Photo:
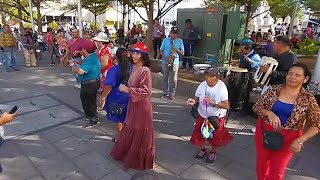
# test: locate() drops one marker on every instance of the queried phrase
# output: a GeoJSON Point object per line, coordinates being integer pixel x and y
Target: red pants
{"type": "Point", "coordinates": [271, 165]}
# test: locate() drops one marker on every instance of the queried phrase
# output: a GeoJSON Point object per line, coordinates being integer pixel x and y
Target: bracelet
{"type": "Point", "coordinates": [298, 140]}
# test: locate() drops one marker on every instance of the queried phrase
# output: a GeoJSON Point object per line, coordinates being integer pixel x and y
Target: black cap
{"type": "Point", "coordinates": [175, 30]}
{"type": "Point", "coordinates": [212, 72]}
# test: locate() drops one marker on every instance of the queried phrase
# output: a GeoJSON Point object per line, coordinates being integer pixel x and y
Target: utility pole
{"type": "Point", "coordinates": [31, 16]}
{"type": "Point", "coordinates": [293, 18]}
{"type": "Point", "coordinates": [80, 17]}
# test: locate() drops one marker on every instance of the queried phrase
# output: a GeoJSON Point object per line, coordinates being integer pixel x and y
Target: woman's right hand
{"type": "Point", "coordinates": [191, 102]}
{"type": "Point", "coordinates": [274, 120]}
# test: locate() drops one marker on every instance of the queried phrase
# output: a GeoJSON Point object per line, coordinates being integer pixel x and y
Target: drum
{"type": "Point", "coordinates": [237, 87]}
{"type": "Point", "coordinates": [223, 72]}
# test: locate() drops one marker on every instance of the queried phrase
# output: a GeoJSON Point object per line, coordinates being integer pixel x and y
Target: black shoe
{"type": "Point", "coordinates": [211, 159]}
{"type": "Point", "coordinates": [1, 141]}
{"type": "Point", "coordinates": [172, 97]}
{"type": "Point", "coordinates": [91, 124]}
{"type": "Point", "coordinates": [200, 155]}
{"type": "Point", "coordinates": [9, 70]}
{"type": "Point", "coordinates": [16, 69]}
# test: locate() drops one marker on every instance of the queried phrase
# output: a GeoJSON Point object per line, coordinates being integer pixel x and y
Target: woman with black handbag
{"type": "Point", "coordinates": [116, 102]}
{"type": "Point", "coordinates": [284, 112]}
{"type": "Point", "coordinates": [212, 97]}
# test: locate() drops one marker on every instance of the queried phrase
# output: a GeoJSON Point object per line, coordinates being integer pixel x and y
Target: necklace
{"type": "Point", "coordinates": [287, 94]}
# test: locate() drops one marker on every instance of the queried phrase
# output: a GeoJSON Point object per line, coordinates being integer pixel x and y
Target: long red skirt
{"type": "Point", "coordinates": [221, 136]}
{"type": "Point", "coordinates": [271, 165]}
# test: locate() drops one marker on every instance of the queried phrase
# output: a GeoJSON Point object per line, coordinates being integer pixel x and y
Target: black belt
{"type": "Point", "coordinates": [91, 81]}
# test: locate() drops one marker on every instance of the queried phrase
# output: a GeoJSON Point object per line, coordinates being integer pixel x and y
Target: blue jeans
{"type": "Point", "coordinates": [170, 79]}
{"type": "Point", "coordinates": [10, 58]}
{"type": "Point", "coordinates": [188, 51]}
{"type": "Point", "coordinates": [5, 60]}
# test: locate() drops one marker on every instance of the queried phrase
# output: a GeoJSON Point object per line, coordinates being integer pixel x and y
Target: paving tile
{"type": "Point", "coordinates": [36, 148]}
{"type": "Point", "coordinates": [119, 174]}
{"type": "Point", "coordinates": [148, 174]}
{"type": "Point", "coordinates": [9, 149]}
{"type": "Point", "coordinates": [55, 134]}
{"type": "Point", "coordinates": [220, 163]}
{"type": "Point", "coordinates": [38, 120]}
{"type": "Point", "coordinates": [101, 144]}
{"type": "Point", "coordinates": [18, 167]}
{"type": "Point", "coordinates": [197, 171]}
{"type": "Point", "coordinates": [244, 157]}
{"type": "Point", "coordinates": [35, 178]}
{"type": "Point", "coordinates": [31, 104]}
{"type": "Point", "coordinates": [160, 169]}
{"type": "Point", "coordinates": [83, 133]}
{"type": "Point", "coordinates": [236, 171]}
{"type": "Point", "coordinates": [95, 165]}
{"type": "Point", "coordinates": [77, 176]}
{"type": "Point", "coordinates": [73, 146]}
{"type": "Point", "coordinates": [55, 167]}
{"type": "Point", "coordinates": [174, 153]}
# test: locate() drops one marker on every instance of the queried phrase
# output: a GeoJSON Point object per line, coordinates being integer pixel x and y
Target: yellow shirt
{"type": "Point", "coordinates": [7, 40]}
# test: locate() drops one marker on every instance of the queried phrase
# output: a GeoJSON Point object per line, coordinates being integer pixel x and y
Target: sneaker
{"type": "Point", "coordinates": [78, 86]}
{"type": "Point", "coordinates": [16, 69]}
{"type": "Point", "coordinates": [200, 155]}
{"type": "Point", "coordinates": [165, 97]}
{"type": "Point", "coordinates": [172, 97]}
{"type": "Point", "coordinates": [91, 124]}
{"type": "Point", "coordinates": [52, 64]}
{"type": "Point", "coordinates": [211, 158]}
{"type": "Point", "coordinates": [1, 64]}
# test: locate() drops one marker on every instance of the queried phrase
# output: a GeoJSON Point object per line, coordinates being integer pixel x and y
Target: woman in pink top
{"type": "Point", "coordinates": [104, 56]}
{"type": "Point", "coordinates": [63, 46]}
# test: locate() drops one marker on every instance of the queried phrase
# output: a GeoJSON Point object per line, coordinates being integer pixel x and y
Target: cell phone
{"type": "Point", "coordinates": [14, 110]}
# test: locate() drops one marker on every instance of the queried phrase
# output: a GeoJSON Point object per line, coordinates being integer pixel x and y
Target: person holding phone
{"type": "Point", "coordinates": [5, 119]}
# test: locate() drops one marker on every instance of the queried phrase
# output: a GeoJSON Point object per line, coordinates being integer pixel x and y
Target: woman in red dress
{"type": "Point", "coordinates": [135, 144]}
{"type": "Point", "coordinates": [104, 56]}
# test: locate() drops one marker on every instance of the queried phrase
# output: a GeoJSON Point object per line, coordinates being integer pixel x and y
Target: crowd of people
{"type": "Point", "coordinates": [121, 80]}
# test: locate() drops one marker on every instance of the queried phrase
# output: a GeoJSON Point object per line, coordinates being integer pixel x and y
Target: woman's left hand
{"type": "Point", "coordinates": [123, 88]}
{"type": "Point", "coordinates": [295, 146]}
{"type": "Point", "coordinates": [209, 100]}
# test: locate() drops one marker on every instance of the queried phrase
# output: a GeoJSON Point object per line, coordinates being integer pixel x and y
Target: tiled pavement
{"type": "Point", "coordinates": [46, 140]}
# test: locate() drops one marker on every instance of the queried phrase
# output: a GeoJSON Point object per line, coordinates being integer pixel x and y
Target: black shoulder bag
{"type": "Point", "coordinates": [271, 140]}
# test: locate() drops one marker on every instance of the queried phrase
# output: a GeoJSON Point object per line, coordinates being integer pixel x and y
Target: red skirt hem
{"type": "Point", "coordinates": [221, 136]}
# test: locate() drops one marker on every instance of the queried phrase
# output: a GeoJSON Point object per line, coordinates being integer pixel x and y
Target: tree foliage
{"type": "Point", "coordinates": [97, 7]}
{"type": "Point", "coordinates": [314, 6]}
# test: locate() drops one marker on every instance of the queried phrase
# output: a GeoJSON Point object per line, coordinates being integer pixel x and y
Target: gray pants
{"type": "Point", "coordinates": [170, 79]}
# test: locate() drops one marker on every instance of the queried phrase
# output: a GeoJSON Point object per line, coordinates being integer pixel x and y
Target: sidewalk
{"type": "Point", "coordinates": [46, 141]}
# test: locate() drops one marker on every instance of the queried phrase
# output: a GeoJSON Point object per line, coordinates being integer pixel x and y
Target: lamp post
{"type": "Point", "coordinates": [80, 18]}
{"type": "Point", "coordinates": [31, 16]}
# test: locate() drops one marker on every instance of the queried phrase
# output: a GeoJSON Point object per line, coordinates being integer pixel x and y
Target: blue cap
{"type": "Point", "coordinates": [246, 41]}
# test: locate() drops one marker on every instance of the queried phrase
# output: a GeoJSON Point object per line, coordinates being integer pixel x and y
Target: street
{"type": "Point", "coordinates": [46, 140]}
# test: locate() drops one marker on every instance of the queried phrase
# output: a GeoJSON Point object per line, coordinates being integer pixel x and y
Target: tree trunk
{"type": "Point", "coordinates": [20, 16]}
{"type": "Point", "coordinates": [39, 17]}
{"type": "Point", "coordinates": [150, 26]}
{"type": "Point", "coordinates": [3, 18]}
{"type": "Point", "coordinates": [249, 9]}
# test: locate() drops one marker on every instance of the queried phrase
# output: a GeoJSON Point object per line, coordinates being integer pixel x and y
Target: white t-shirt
{"type": "Point", "coordinates": [219, 93]}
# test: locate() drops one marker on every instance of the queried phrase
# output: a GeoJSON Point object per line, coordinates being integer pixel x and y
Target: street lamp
{"type": "Point", "coordinates": [293, 17]}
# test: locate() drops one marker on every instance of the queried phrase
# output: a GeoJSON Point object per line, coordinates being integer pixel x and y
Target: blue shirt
{"type": "Point", "coordinates": [282, 110]}
{"type": "Point", "coordinates": [91, 67]}
{"type": "Point", "coordinates": [166, 48]}
{"type": "Point", "coordinates": [256, 60]}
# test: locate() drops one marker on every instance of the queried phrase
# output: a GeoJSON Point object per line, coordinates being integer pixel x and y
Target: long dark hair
{"type": "Point", "coordinates": [146, 60]}
{"type": "Point", "coordinates": [124, 64]}
{"type": "Point", "coordinates": [306, 72]}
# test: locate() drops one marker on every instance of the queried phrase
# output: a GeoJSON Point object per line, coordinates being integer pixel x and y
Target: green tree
{"type": "Point", "coordinates": [250, 5]}
{"type": "Point", "coordinates": [314, 6]}
{"type": "Point", "coordinates": [149, 6]}
{"type": "Point", "coordinates": [97, 7]}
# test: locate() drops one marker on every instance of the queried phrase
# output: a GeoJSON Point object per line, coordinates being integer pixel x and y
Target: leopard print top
{"type": "Point", "coordinates": [306, 111]}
